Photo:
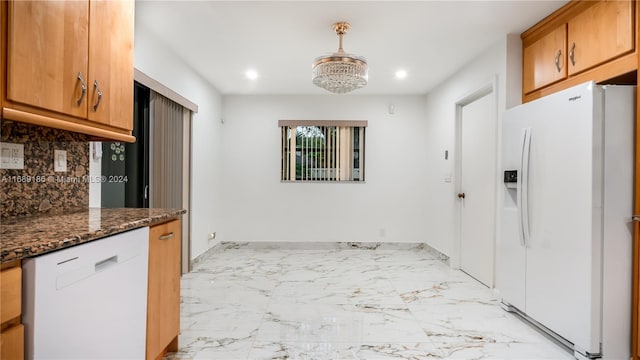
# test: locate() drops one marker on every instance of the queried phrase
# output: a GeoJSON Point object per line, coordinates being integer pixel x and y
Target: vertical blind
{"type": "Point", "coordinates": [322, 150]}
{"type": "Point", "coordinates": [170, 162]}
{"type": "Point", "coordinates": [166, 161]}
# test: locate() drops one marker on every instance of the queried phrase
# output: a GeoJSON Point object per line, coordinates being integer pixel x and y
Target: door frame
{"type": "Point", "coordinates": [488, 87]}
{"type": "Point", "coordinates": [635, 318]}
{"type": "Point", "coordinates": [190, 108]}
{"type": "Point", "coordinates": [187, 152]}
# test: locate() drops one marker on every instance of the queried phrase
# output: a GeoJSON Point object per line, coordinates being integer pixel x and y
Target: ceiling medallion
{"type": "Point", "coordinates": [340, 72]}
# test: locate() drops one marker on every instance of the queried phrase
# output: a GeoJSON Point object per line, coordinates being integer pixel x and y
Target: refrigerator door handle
{"type": "Point", "coordinates": [519, 189]}
{"type": "Point", "coordinates": [523, 188]}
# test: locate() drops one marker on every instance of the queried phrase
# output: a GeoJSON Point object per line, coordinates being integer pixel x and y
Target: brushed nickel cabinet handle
{"type": "Point", "coordinates": [83, 85]}
{"type": "Point", "coordinates": [635, 218]}
{"type": "Point", "coordinates": [97, 87]}
{"type": "Point", "coordinates": [167, 236]}
{"type": "Point", "coordinates": [571, 53]}
{"type": "Point", "coordinates": [558, 55]}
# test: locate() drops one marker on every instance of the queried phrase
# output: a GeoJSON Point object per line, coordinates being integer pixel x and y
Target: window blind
{"type": "Point", "coordinates": [322, 150]}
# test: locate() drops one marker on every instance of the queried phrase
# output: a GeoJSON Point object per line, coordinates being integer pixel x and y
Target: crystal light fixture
{"type": "Point", "coordinates": [340, 72]}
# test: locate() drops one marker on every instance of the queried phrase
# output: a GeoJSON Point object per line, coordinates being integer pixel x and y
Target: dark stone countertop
{"type": "Point", "coordinates": [36, 235]}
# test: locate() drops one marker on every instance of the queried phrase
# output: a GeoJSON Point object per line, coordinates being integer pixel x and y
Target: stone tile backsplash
{"type": "Point", "coordinates": [38, 189]}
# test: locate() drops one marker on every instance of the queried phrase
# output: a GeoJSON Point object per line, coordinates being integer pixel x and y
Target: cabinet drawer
{"type": "Point", "coordinates": [10, 293]}
{"type": "Point", "coordinates": [12, 343]}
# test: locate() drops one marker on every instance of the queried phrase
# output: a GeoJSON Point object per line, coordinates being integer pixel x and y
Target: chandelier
{"type": "Point", "coordinates": [340, 72]}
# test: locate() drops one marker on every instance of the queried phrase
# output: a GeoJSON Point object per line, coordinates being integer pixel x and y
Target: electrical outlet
{"type": "Point", "coordinates": [59, 160]}
{"type": "Point", "coordinates": [12, 156]}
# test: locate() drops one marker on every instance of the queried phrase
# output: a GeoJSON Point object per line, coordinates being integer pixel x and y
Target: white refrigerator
{"type": "Point", "coordinates": [564, 254]}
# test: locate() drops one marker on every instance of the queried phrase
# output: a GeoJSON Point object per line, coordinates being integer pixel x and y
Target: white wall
{"type": "Point", "coordinates": [389, 206]}
{"type": "Point", "coordinates": [236, 189]}
{"type": "Point", "coordinates": [154, 59]}
{"type": "Point", "coordinates": [405, 197]}
{"type": "Point", "coordinates": [502, 60]}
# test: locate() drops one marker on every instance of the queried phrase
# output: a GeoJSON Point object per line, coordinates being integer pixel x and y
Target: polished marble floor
{"type": "Point", "coordinates": [255, 301]}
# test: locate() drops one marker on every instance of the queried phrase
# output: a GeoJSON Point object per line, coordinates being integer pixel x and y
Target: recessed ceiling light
{"type": "Point", "coordinates": [401, 74]}
{"type": "Point", "coordinates": [251, 74]}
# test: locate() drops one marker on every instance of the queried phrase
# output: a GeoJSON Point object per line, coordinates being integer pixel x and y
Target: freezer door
{"type": "Point", "coordinates": [564, 249]}
{"type": "Point", "coordinates": [510, 257]}
{"type": "Point", "coordinates": [618, 235]}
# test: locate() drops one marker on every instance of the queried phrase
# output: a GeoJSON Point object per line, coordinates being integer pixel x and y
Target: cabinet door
{"type": "Point", "coordinates": [111, 63]}
{"type": "Point", "coordinates": [163, 307]}
{"type": "Point", "coordinates": [10, 293]}
{"type": "Point", "coordinates": [12, 343]}
{"type": "Point", "coordinates": [600, 33]}
{"type": "Point", "coordinates": [47, 55]}
{"type": "Point", "coordinates": [544, 61]}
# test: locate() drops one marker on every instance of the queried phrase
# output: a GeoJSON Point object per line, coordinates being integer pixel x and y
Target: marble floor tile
{"type": "Point", "coordinates": [504, 351]}
{"type": "Point", "coordinates": [206, 289]}
{"type": "Point", "coordinates": [473, 323]}
{"type": "Point", "coordinates": [339, 323]}
{"type": "Point", "coordinates": [345, 301]}
{"type": "Point", "coordinates": [198, 344]}
{"type": "Point", "coordinates": [339, 351]}
{"type": "Point", "coordinates": [334, 292]}
{"type": "Point", "coordinates": [456, 291]}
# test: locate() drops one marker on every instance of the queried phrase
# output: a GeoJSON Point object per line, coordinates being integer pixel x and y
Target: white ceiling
{"type": "Point", "coordinates": [280, 39]}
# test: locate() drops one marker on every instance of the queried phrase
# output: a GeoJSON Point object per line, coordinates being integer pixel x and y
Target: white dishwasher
{"type": "Point", "coordinates": [88, 301]}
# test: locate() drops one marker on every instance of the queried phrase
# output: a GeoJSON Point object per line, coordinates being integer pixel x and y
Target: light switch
{"type": "Point", "coordinates": [59, 160]}
{"type": "Point", "coordinates": [12, 156]}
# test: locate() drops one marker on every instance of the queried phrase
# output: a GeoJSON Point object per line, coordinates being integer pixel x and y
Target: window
{"type": "Point", "coordinates": [322, 150]}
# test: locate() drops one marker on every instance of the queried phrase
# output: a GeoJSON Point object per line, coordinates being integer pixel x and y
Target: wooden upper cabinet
{"type": "Point", "coordinates": [48, 44]}
{"type": "Point", "coordinates": [597, 42]}
{"type": "Point", "coordinates": [544, 60]}
{"type": "Point", "coordinates": [111, 63]}
{"type": "Point", "coordinates": [600, 33]}
{"type": "Point", "coordinates": [69, 65]}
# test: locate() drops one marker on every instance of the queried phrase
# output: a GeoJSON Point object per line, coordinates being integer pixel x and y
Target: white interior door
{"type": "Point", "coordinates": [478, 142]}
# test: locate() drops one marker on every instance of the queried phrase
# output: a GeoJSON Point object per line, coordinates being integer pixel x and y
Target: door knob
{"type": "Point", "coordinates": [461, 195]}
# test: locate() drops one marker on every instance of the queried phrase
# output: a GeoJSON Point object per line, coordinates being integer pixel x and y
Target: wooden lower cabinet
{"type": "Point", "coordinates": [12, 343]}
{"type": "Point", "coordinates": [12, 334]}
{"type": "Point", "coordinates": [163, 306]}
{"type": "Point", "coordinates": [10, 293]}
